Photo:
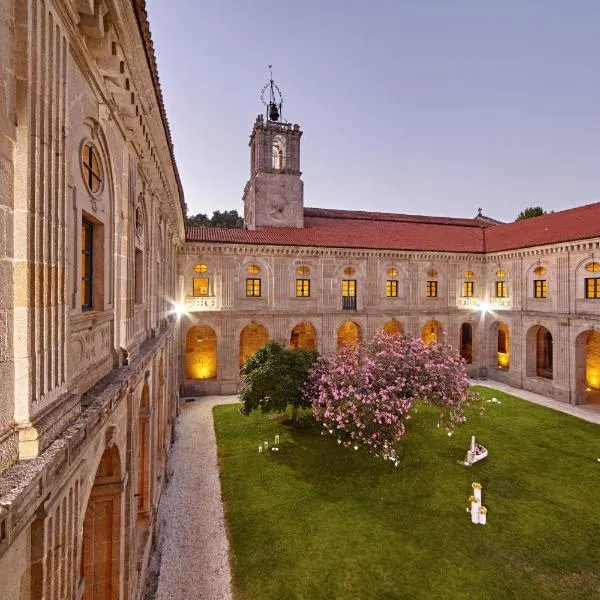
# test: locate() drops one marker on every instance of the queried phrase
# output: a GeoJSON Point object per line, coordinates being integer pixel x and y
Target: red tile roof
{"type": "Point", "coordinates": [354, 229]}
{"type": "Point", "coordinates": [578, 223]}
{"type": "Point", "coordinates": [385, 231]}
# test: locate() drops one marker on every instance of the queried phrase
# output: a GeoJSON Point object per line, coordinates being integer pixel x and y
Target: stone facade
{"type": "Point", "coordinates": [90, 221]}
{"type": "Point", "coordinates": [518, 316]}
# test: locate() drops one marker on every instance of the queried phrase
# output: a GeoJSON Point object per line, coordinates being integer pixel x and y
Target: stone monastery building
{"type": "Point", "coordinates": [94, 260]}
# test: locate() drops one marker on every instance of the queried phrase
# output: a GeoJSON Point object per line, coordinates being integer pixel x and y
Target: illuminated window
{"type": "Point", "coordinates": [91, 167]}
{"type": "Point", "coordinates": [201, 286]}
{"type": "Point", "coordinates": [432, 273]}
{"type": "Point", "coordinates": [593, 267]}
{"type": "Point", "coordinates": [87, 240]}
{"type": "Point", "coordinates": [467, 289]}
{"type": "Point", "coordinates": [592, 288]}
{"type": "Point", "coordinates": [500, 274]}
{"type": "Point", "coordinates": [540, 288]}
{"type": "Point", "coordinates": [431, 290]}
{"type": "Point", "coordinates": [540, 271]}
{"type": "Point", "coordinates": [349, 294]}
{"type": "Point", "coordinates": [253, 287]}
{"type": "Point", "coordinates": [200, 268]}
{"type": "Point", "coordinates": [303, 270]}
{"type": "Point", "coordinates": [302, 288]}
{"type": "Point", "coordinates": [392, 272]}
{"type": "Point", "coordinates": [253, 269]}
{"type": "Point", "coordinates": [468, 274]}
{"type": "Point", "coordinates": [349, 271]}
{"type": "Point", "coordinates": [501, 289]}
{"type": "Point", "coordinates": [391, 288]}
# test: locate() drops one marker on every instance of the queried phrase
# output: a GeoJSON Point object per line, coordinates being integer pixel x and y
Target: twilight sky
{"type": "Point", "coordinates": [429, 107]}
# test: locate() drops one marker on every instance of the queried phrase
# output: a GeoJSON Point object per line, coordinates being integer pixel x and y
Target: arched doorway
{"type": "Point", "coordinates": [252, 338]}
{"type": "Point", "coordinates": [201, 353]}
{"type": "Point", "coordinates": [100, 554]}
{"type": "Point", "coordinates": [161, 411]}
{"type": "Point", "coordinates": [587, 365]}
{"type": "Point", "coordinates": [392, 327]}
{"type": "Point", "coordinates": [431, 332]}
{"type": "Point", "coordinates": [502, 346]}
{"type": "Point", "coordinates": [539, 353]}
{"type": "Point", "coordinates": [348, 334]}
{"type": "Point", "coordinates": [303, 336]}
{"type": "Point", "coordinates": [466, 342]}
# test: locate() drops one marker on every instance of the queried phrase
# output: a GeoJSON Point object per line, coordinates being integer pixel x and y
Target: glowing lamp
{"type": "Point", "coordinates": [179, 309]}
{"type": "Point", "coordinates": [484, 306]}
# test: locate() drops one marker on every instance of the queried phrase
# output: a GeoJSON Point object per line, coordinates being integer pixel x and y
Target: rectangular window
{"type": "Point", "coordinates": [500, 289]}
{"type": "Point", "coordinates": [349, 294]}
{"type": "Point", "coordinates": [431, 290]}
{"type": "Point", "coordinates": [87, 257]}
{"type": "Point", "coordinates": [201, 286]}
{"type": "Point", "coordinates": [253, 287]}
{"type": "Point", "coordinates": [467, 289]}
{"type": "Point", "coordinates": [302, 288]}
{"type": "Point", "coordinates": [540, 288]}
{"type": "Point", "coordinates": [391, 288]}
{"type": "Point", "coordinates": [592, 288]}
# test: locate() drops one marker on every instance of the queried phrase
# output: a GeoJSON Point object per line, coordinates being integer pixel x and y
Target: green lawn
{"type": "Point", "coordinates": [316, 520]}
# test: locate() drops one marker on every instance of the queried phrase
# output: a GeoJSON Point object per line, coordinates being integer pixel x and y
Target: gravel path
{"type": "Point", "coordinates": [192, 558]}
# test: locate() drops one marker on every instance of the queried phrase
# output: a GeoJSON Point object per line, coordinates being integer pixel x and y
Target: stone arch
{"type": "Point", "coordinates": [160, 404]}
{"type": "Point", "coordinates": [252, 338]}
{"type": "Point", "coordinates": [201, 352]}
{"type": "Point", "coordinates": [304, 335]}
{"type": "Point", "coordinates": [502, 345]}
{"type": "Point", "coordinates": [431, 332]}
{"type": "Point", "coordinates": [392, 327]}
{"type": "Point", "coordinates": [540, 358]}
{"type": "Point", "coordinates": [101, 545]}
{"type": "Point", "coordinates": [466, 342]}
{"type": "Point", "coordinates": [587, 367]}
{"type": "Point", "coordinates": [143, 470]}
{"type": "Point", "coordinates": [348, 334]}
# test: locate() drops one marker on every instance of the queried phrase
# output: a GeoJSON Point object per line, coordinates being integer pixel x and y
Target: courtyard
{"type": "Point", "coordinates": [315, 520]}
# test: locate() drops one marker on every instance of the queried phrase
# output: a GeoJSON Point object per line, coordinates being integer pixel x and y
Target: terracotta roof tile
{"type": "Point", "coordinates": [344, 229]}
{"type": "Point", "coordinates": [578, 223]}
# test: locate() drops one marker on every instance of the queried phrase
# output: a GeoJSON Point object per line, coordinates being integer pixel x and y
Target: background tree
{"type": "Point", "coordinates": [229, 219]}
{"type": "Point", "coordinates": [273, 378]}
{"type": "Point", "coordinates": [363, 396]}
{"type": "Point", "coordinates": [530, 212]}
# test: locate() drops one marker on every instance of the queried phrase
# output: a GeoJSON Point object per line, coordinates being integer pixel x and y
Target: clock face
{"type": "Point", "coordinates": [278, 207]}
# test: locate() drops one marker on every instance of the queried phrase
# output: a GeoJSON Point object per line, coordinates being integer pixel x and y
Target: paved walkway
{"type": "Point", "coordinates": [587, 412]}
{"type": "Point", "coordinates": [193, 549]}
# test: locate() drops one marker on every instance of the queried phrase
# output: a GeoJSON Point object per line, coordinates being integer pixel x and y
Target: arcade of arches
{"type": "Point", "coordinates": [252, 338]}
{"type": "Point", "coordinates": [348, 334]}
{"type": "Point", "coordinates": [304, 335]}
{"type": "Point", "coordinates": [201, 352]}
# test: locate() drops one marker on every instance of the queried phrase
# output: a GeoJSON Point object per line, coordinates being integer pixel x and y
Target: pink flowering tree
{"type": "Point", "coordinates": [363, 396]}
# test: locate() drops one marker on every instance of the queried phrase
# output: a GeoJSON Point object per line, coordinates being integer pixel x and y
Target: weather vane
{"type": "Point", "coordinates": [273, 107]}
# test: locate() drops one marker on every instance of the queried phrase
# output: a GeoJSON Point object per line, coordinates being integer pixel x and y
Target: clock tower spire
{"type": "Point", "coordinates": [274, 194]}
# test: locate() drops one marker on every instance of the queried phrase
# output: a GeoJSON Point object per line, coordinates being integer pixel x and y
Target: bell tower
{"type": "Point", "coordinates": [274, 194]}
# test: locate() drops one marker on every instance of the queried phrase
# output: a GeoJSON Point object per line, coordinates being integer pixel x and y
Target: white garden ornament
{"type": "Point", "coordinates": [478, 512]}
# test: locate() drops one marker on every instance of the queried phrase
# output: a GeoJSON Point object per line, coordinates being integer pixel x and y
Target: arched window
{"type": "Point", "coordinates": [253, 283]}
{"type": "Point", "coordinates": [278, 150]}
{"type": "Point", "coordinates": [303, 282]}
{"type": "Point", "coordinates": [391, 284]}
